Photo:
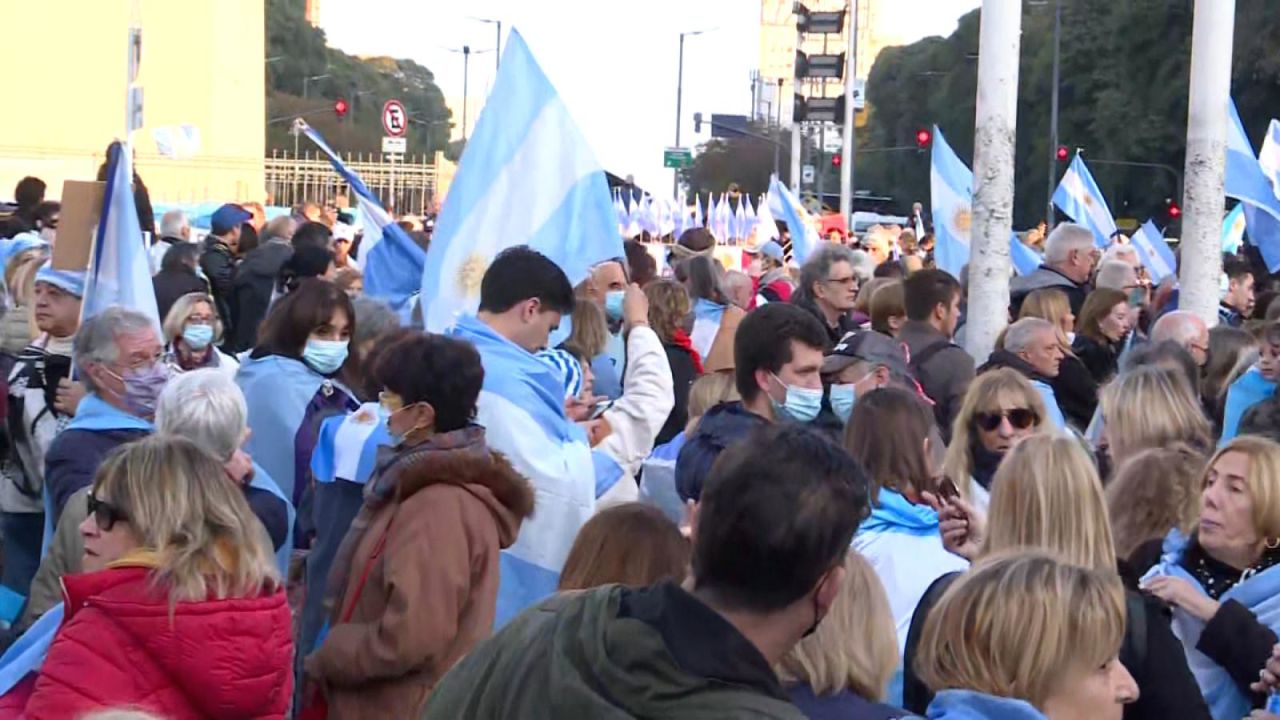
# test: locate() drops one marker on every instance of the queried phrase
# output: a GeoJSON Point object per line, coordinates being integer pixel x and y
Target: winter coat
{"type": "Point", "coordinates": [722, 426]}
{"type": "Point", "coordinates": [75, 454]}
{"type": "Point", "coordinates": [1101, 358]}
{"type": "Point", "coordinates": [1046, 277]}
{"type": "Point", "coordinates": [1076, 390]}
{"type": "Point", "coordinates": [255, 280]}
{"type": "Point", "coordinates": [844, 323]}
{"type": "Point", "coordinates": [425, 545]}
{"type": "Point", "coordinates": [634, 419]}
{"type": "Point", "coordinates": [123, 644]}
{"type": "Point", "coordinates": [614, 653]}
{"type": "Point", "coordinates": [219, 266]}
{"type": "Point", "coordinates": [844, 705]}
{"type": "Point", "coordinates": [171, 285]}
{"type": "Point", "coordinates": [943, 374]}
{"type": "Point", "coordinates": [683, 373]}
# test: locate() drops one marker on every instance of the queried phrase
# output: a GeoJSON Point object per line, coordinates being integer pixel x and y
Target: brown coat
{"type": "Point", "coordinates": [430, 596]}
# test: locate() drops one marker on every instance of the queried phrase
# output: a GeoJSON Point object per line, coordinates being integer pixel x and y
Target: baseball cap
{"type": "Point", "coordinates": [227, 218]}
{"type": "Point", "coordinates": [868, 346]}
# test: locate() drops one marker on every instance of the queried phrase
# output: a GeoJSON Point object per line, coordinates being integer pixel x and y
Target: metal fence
{"type": "Point", "coordinates": [407, 186]}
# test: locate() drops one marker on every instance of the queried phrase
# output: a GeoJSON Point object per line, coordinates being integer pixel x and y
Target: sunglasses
{"type": "Point", "coordinates": [105, 514]}
{"type": "Point", "coordinates": [1019, 418]}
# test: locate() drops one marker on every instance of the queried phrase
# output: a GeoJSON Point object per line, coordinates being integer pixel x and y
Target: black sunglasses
{"type": "Point", "coordinates": [1019, 418]}
{"type": "Point", "coordinates": [105, 514]}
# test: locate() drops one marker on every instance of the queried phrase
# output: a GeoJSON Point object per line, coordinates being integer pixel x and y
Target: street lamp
{"type": "Point", "coordinates": [307, 80]}
{"type": "Point", "coordinates": [675, 172]}
{"type": "Point", "coordinates": [497, 46]}
{"type": "Point", "coordinates": [467, 52]}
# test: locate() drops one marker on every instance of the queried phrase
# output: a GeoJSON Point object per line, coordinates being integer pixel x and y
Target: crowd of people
{"type": "Point", "coordinates": [672, 490]}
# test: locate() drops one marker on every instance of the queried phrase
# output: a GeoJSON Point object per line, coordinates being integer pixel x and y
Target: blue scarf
{"type": "Point", "coordinates": [1248, 390]}
{"type": "Point", "coordinates": [973, 705]}
{"type": "Point", "coordinates": [894, 513]}
{"type": "Point", "coordinates": [1260, 594]}
{"type": "Point", "coordinates": [96, 415]}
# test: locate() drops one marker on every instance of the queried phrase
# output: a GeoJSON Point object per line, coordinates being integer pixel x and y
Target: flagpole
{"type": "Point", "coordinates": [999, 40]}
{"type": "Point", "coordinates": [1203, 202]}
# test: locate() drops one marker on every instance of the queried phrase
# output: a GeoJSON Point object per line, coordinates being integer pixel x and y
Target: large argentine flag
{"type": "Point", "coordinates": [1079, 197]}
{"type": "Point", "coordinates": [527, 177]}
{"type": "Point", "coordinates": [1154, 252]}
{"type": "Point", "coordinates": [119, 269]}
{"type": "Point", "coordinates": [391, 261]}
{"type": "Point", "coordinates": [1261, 211]}
{"type": "Point", "coordinates": [785, 206]}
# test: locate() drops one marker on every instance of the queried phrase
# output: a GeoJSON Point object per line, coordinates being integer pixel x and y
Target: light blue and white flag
{"type": "Point", "coordinates": [722, 219]}
{"type": "Point", "coordinates": [1154, 252]}
{"type": "Point", "coordinates": [1263, 224]}
{"type": "Point", "coordinates": [1025, 260]}
{"type": "Point", "coordinates": [1079, 197]}
{"type": "Point", "coordinates": [621, 211]}
{"type": "Point", "coordinates": [1245, 178]}
{"type": "Point", "coordinates": [740, 225]}
{"type": "Point", "coordinates": [751, 217]}
{"type": "Point", "coordinates": [697, 212]}
{"type": "Point", "coordinates": [786, 207]}
{"type": "Point", "coordinates": [390, 260]}
{"type": "Point", "coordinates": [347, 447]}
{"type": "Point", "coordinates": [527, 177]}
{"type": "Point", "coordinates": [119, 268]}
{"type": "Point", "coordinates": [1233, 226]}
{"type": "Point", "coordinates": [763, 225]}
{"type": "Point", "coordinates": [680, 216]}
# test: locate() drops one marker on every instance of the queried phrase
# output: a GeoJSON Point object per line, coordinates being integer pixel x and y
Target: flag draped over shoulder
{"type": "Point", "coordinates": [1079, 197]}
{"type": "Point", "coordinates": [119, 268]}
{"type": "Point", "coordinates": [390, 260]}
{"type": "Point", "coordinates": [527, 177]}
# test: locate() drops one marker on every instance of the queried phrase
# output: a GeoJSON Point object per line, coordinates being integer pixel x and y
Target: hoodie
{"type": "Point", "coordinates": [1006, 359]}
{"type": "Point", "coordinates": [722, 426]}
{"type": "Point", "coordinates": [414, 586]}
{"type": "Point", "coordinates": [615, 653]}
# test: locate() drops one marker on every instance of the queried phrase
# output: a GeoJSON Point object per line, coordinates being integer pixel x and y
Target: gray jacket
{"type": "Point", "coordinates": [944, 373]}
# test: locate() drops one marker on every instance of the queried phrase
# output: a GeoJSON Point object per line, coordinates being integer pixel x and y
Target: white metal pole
{"type": "Point", "coordinates": [994, 134]}
{"type": "Point", "coordinates": [795, 157]}
{"type": "Point", "coordinates": [1203, 201]}
{"type": "Point", "coordinates": [846, 150]}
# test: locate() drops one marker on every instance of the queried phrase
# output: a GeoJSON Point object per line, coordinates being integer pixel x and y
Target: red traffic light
{"type": "Point", "coordinates": [923, 137]}
{"type": "Point", "coordinates": [340, 107]}
{"type": "Point", "coordinates": [836, 160]}
{"type": "Point", "coordinates": [1063, 153]}
{"type": "Point", "coordinates": [1174, 211]}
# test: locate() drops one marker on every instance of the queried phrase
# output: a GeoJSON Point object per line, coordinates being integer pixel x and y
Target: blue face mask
{"type": "Point", "coordinates": [801, 404]}
{"type": "Point", "coordinates": [325, 356]}
{"type": "Point", "coordinates": [842, 399]}
{"type": "Point", "coordinates": [197, 337]}
{"type": "Point", "coordinates": [613, 304]}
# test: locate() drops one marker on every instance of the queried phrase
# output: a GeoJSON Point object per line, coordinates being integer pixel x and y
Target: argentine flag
{"type": "Point", "coordinates": [390, 260]}
{"type": "Point", "coordinates": [1261, 211]}
{"type": "Point", "coordinates": [785, 206]}
{"type": "Point", "coordinates": [1154, 252]}
{"type": "Point", "coordinates": [1233, 226]}
{"type": "Point", "coordinates": [527, 177]}
{"type": "Point", "coordinates": [119, 268]}
{"type": "Point", "coordinates": [1079, 197]}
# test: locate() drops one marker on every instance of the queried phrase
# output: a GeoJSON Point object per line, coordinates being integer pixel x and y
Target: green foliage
{"type": "Point", "coordinates": [299, 51]}
{"type": "Point", "coordinates": [747, 161]}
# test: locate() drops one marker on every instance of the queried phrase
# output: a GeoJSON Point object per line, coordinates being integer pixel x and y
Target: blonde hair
{"type": "Point", "coordinates": [1153, 492]}
{"type": "Point", "coordinates": [1049, 304]}
{"type": "Point", "coordinates": [1017, 624]}
{"type": "Point", "coordinates": [887, 302]}
{"type": "Point", "coordinates": [589, 334]}
{"type": "Point", "coordinates": [988, 392]}
{"type": "Point", "coordinates": [708, 391]}
{"type": "Point", "coordinates": [868, 289]}
{"type": "Point", "coordinates": [1046, 494]}
{"type": "Point", "coordinates": [855, 647]}
{"type": "Point", "coordinates": [176, 320]}
{"type": "Point", "coordinates": [1262, 479]}
{"type": "Point", "coordinates": [180, 505]}
{"type": "Point", "coordinates": [1150, 407]}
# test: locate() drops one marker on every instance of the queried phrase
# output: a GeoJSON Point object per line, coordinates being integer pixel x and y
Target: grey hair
{"type": "Point", "coordinates": [206, 407]}
{"type": "Point", "coordinates": [818, 267]}
{"type": "Point", "coordinates": [734, 279]}
{"type": "Point", "coordinates": [1180, 326]}
{"type": "Point", "coordinates": [1065, 238]}
{"type": "Point", "coordinates": [173, 223]}
{"type": "Point", "coordinates": [1113, 274]}
{"type": "Point", "coordinates": [1122, 253]}
{"type": "Point", "coordinates": [281, 227]}
{"type": "Point", "coordinates": [864, 267]}
{"type": "Point", "coordinates": [1022, 333]}
{"type": "Point", "coordinates": [96, 339]}
{"type": "Point", "coordinates": [374, 318]}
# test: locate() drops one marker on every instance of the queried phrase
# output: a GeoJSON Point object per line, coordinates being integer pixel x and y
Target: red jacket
{"type": "Point", "coordinates": [117, 647]}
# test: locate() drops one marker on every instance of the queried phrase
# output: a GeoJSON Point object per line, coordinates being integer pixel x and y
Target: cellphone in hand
{"type": "Point", "coordinates": [599, 409]}
{"type": "Point", "coordinates": [947, 490]}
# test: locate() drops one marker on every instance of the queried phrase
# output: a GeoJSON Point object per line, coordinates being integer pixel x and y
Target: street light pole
{"type": "Point", "coordinates": [466, 67]}
{"type": "Point", "coordinates": [307, 80]}
{"type": "Point", "coordinates": [1053, 113]}
{"type": "Point", "coordinates": [675, 172]}
{"type": "Point", "coordinates": [497, 45]}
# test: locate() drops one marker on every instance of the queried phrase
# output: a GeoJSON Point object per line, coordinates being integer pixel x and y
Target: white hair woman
{"type": "Point", "coordinates": [181, 611]}
{"type": "Point", "coordinates": [1223, 582]}
{"type": "Point", "coordinates": [192, 331]}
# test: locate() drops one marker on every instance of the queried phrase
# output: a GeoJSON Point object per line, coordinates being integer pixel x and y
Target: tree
{"type": "Point", "coordinates": [747, 160]}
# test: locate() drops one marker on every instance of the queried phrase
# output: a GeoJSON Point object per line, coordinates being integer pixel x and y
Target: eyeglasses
{"type": "Point", "coordinates": [1019, 418]}
{"type": "Point", "coordinates": [843, 281]}
{"type": "Point", "coordinates": [105, 514]}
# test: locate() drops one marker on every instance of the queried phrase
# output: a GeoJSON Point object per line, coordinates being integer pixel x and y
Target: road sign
{"type": "Point", "coordinates": [394, 119]}
{"type": "Point", "coordinates": [859, 95]}
{"type": "Point", "coordinates": [394, 144]}
{"type": "Point", "coordinates": [832, 139]}
{"type": "Point", "coordinates": [806, 174]}
{"type": "Point", "coordinates": [677, 157]}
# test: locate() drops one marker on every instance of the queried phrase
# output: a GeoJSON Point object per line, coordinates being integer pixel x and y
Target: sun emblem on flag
{"type": "Point", "coordinates": [470, 273]}
{"type": "Point", "coordinates": [1088, 200]}
{"type": "Point", "coordinates": [963, 219]}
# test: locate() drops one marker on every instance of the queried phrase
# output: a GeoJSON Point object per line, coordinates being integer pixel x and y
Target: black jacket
{"type": "Point", "coordinates": [1102, 359]}
{"type": "Point", "coordinates": [722, 426]}
{"type": "Point", "coordinates": [251, 295]}
{"type": "Point", "coordinates": [1005, 359]}
{"type": "Point", "coordinates": [219, 266]}
{"type": "Point", "coordinates": [844, 324]}
{"type": "Point", "coordinates": [171, 285]}
{"type": "Point", "coordinates": [1046, 277]}
{"type": "Point", "coordinates": [1076, 390]}
{"type": "Point", "coordinates": [74, 457]}
{"type": "Point", "coordinates": [683, 373]}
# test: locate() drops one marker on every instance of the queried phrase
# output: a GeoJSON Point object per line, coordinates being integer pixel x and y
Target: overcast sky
{"type": "Point", "coordinates": [613, 61]}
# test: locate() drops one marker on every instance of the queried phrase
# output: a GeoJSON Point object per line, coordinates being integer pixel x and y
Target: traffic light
{"type": "Point", "coordinates": [923, 137]}
{"type": "Point", "coordinates": [1063, 153]}
{"type": "Point", "coordinates": [340, 108]}
{"type": "Point", "coordinates": [1175, 212]}
{"type": "Point", "coordinates": [836, 159]}
{"type": "Point", "coordinates": [697, 122]}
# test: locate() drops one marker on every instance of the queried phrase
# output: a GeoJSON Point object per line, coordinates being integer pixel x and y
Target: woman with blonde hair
{"type": "Point", "coordinates": [843, 669]}
{"type": "Point", "coordinates": [1223, 581]}
{"type": "Point", "coordinates": [633, 544]}
{"type": "Point", "coordinates": [1149, 407]}
{"type": "Point", "coordinates": [999, 409]}
{"type": "Point", "coordinates": [192, 332]}
{"type": "Point", "coordinates": [1154, 492]}
{"type": "Point", "coordinates": [977, 656]}
{"type": "Point", "coordinates": [668, 307]}
{"type": "Point", "coordinates": [1047, 496]}
{"type": "Point", "coordinates": [1074, 387]}
{"type": "Point", "coordinates": [180, 592]}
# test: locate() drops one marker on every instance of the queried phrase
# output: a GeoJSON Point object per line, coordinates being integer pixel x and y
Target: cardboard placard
{"type": "Point", "coordinates": [77, 224]}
